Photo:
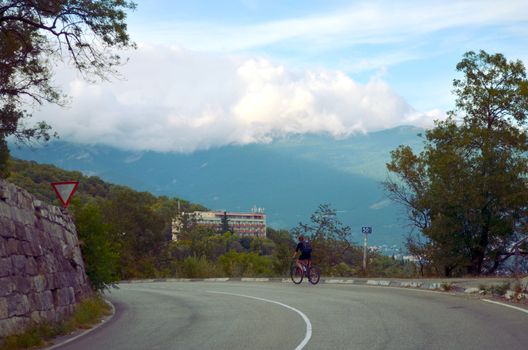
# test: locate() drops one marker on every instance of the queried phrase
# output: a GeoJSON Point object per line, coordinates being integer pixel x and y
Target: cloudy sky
{"type": "Point", "coordinates": [214, 73]}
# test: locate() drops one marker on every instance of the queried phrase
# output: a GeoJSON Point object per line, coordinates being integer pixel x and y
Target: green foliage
{"type": "Point", "coordinates": [331, 240]}
{"type": "Point", "coordinates": [88, 312]}
{"type": "Point", "coordinates": [342, 270]}
{"type": "Point", "coordinates": [37, 178]}
{"type": "Point", "coordinates": [446, 286]}
{"type": "Point", "coordinates": [466, 191]}
{"type": "Point", "coordinates": [100, 253]}
{"type": "Point", "coordinates": [4, 159]}
{"type": "Point", "coordinates": [34, 35]}
{"type": "Point", "coordinates": [498, 289]}
{"type": "Point", "coordinates": [113, 222]}
{"type": "Point", "coordinates": [245, 264]}
{"type": "Point", "coordinates": [193, 267]}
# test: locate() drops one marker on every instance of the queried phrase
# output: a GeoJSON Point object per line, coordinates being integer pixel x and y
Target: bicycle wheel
{"type": "Point", "coordinates": [296, 275]}
{"type": "Point", "coordinates": [314, 274]}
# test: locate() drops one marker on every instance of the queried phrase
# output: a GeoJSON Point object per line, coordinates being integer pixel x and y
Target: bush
{"type": "Point", "coordinates": [87, 313]}
{"type": "Point", "coordinates": [194, 267]}
{"type": "Point", "coordinates": [246, 264]}
{"type": "Point", "coordinates": [496, 289]}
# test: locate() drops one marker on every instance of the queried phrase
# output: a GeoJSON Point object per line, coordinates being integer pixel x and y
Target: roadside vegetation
{"type": "Point", "coordinates": [465, 193]}
{"type": "Point", "coordinates": [88, 313]}
{"type": "Point", "coordinates": [125, 234]}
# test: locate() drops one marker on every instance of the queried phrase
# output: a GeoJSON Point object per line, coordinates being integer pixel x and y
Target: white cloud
{"type": "Point", "coordinates": [177, 100]}
{"type": "Point", "coordinates": [365, 22]}
{"type": "Point", "coordinates": [381, 204]}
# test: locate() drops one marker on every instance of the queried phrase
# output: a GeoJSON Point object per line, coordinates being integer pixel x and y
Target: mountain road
{"type": "Point", "coordinates": [236, 315]}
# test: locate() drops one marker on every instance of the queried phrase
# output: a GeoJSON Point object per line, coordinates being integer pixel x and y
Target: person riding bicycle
{"type": "Point", "coordinates": [305, 248]}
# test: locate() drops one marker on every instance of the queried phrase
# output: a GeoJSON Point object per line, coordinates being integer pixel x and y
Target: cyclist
{"type": "Point", "coordinates": [305, 248]}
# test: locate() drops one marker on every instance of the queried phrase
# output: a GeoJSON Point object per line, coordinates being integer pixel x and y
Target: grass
{"type": "Point", "coordinates": [495, 289]}
{"type": "Point", "coordinates": [88, 312]}
{"type": "Point", "coordinates": [446, 286]}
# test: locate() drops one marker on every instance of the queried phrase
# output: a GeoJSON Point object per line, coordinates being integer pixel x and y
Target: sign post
{"type": "Point", "coordinates": [366, 230]}
{"type": "Point", "coordinates": [65, 191]}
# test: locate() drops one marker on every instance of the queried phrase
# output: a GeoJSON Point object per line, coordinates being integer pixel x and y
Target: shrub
{"type": "Point", "coordinates": [87, 313]}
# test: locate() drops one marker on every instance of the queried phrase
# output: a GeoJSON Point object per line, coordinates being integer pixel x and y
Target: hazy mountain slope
{"type": "Point", "coordinates": [289, 177]}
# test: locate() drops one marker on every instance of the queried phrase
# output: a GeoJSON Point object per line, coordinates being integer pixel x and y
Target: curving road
{"type": "Point", "coordinates": [239, 315]}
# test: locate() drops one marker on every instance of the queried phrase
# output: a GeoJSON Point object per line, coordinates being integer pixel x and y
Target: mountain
{"type": "Point", "coordinates": [289, 177]}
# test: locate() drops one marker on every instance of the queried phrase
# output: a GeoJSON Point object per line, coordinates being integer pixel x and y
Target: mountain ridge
{"type": "Point", "coordinates": [289, 177]}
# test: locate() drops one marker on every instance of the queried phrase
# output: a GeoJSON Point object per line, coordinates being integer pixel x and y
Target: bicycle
{"type": "Point", "coordinates": [311, 272]}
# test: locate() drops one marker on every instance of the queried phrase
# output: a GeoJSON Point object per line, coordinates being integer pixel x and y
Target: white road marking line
{"type": "Point", "coordinates": [104, 321]}
{"type": "Point", "coordinates": [506, 305]}
{"type": "Point", "coordinates": [304, 317]}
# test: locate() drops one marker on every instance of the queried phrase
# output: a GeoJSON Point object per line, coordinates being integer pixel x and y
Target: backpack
{"type": "Point", "coordinates": [307, 247]}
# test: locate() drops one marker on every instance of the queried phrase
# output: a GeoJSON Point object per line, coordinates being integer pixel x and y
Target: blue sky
{"type": "Point", "coordinates": [211, 73]}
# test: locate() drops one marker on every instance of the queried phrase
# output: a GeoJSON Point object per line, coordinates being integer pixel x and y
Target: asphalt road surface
{"type": "Point", "coordinates": [241, 315]}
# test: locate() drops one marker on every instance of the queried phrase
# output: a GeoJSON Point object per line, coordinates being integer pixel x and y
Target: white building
{"type": "Point", "coordinates": [242, 224]}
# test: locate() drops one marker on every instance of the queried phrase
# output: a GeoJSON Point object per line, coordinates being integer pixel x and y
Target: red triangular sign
{"type": "Point", "coordinates": [65, 190]}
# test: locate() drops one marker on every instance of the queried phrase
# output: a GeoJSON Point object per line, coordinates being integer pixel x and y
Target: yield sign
{"type": "Point", "coordinates": [65, 190]}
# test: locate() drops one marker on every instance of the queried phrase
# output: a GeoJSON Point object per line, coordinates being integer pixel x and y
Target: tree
{"type": "Point", "coordinates": [330, 238]}
{"type": "Point", "coordinates": [225, 223]}
{"type": "Point", "coordinates": [466, 192]}
{"type": "Point", "coordinates": [99, 252]}
{"type": "Point", "coordinates": [4, 158]}
{"type": "Point", "coordinates": [34, 35]}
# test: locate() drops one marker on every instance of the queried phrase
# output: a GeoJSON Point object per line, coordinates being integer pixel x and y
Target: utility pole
{"type": "Point", "coordinates": [365, 244]}
{"type": "Point", "coordinates": [366, 231]}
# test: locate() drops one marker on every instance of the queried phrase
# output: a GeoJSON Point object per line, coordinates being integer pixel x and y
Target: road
{"type": "Point", "coordinates": [241, 315]}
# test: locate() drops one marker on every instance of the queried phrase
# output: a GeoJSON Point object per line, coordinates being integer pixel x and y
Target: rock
{"type": "Point", "coordinates": [3, 308]}
{"type": "Point", "coordinates": [6, 267]}
{"type": "Point", "coordinates": [524, 283]}
{"type": "Point", "coordinates": [17, 305]}
{"type": "Point", "coordinates": [472, 290]}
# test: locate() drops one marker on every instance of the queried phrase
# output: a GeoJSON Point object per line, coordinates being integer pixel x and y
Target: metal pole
{"type": "Point", "coordinates": [365, 255]}
{"type": "Point", "coordinates": [516, 272]}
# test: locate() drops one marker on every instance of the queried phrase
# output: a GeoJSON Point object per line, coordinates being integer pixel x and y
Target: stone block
{"type": "Point", "coordinates": [3, 248]}
{"type": "Point", "coordinates": [6, 267]}
{"type": "Point", "coordinates": [5, 195]}
{"type": "Point", "coordinates": [19, 264]}
{"type": "Point", "coordinates": [36, 316]}
{"type": "Point", "coordinates": [5, 210]}
{"type": "Point", "coordinates": [13, 325]}
{"type": "Point", "coordinates": [17, 305]}
{"type": "Point", "coordinates": [31, 266]}
{"type": "Point", "coordinates": [41, 301]}
{"type": "Point", "coordinates": [22, 284]}
{"type": "Point", "coordinates": [25, 248]}
{"type": "Point", "coordinates": [7, 227]}
{"type": "Point", "coordinates": [22, 216]}
{"type": "Point", "coordinates": [42, 266]}
{"type": "Point", "coordinates": [12, 246]}
{"type": "Point", "coordinates": [36, 246]}
{"type": "Point", "coordinates": [39, 283]}
{"type": "Point", "coordinates": [62, 297]}
{"type": "Point", "coordinates": [4, 313]}
{"type": "Point", "coordinates": [47, 300]}
{"type": "Point", "coordinates": [20, 232]}
{"type": "Point", "coordinates": [50, 281]}
{"type": "Point", "coordinates": [7, 286]}
{"type": "Point", "coordinates": [50, 263]}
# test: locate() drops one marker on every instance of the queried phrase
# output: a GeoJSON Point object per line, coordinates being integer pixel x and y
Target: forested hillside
{"type": "Point", "coordinates": [126, 234]}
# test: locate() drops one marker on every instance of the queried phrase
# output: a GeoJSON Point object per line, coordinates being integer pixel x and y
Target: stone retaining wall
{"type": "Point", "coordinates": [42, 274]}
